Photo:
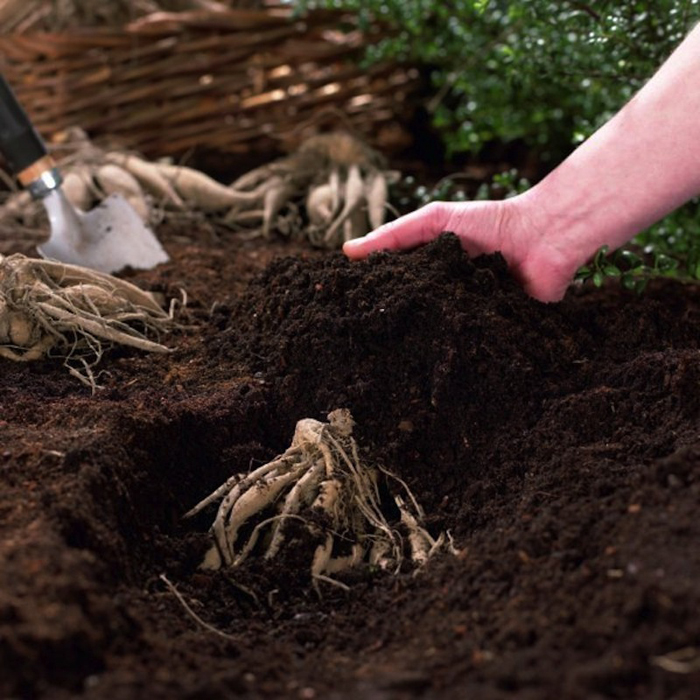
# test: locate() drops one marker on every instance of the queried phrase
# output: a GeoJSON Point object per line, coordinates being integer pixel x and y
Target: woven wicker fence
{"type": "Point", "coordinates": [243, 81]}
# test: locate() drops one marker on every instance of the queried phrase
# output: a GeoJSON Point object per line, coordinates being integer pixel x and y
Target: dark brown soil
{"type": "Point", "coordinates": [560, 445]}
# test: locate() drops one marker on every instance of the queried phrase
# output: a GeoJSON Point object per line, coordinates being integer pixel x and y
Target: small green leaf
{"type": "Point", "coordinates": [665, 264]}
{"type": "Point", "coordinates": [629, 258]}
{"type": "Point", "coordinates": [601, 255]}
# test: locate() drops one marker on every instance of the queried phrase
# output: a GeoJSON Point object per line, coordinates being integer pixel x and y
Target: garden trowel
{"type": "Point", "coordinates": [108, 238]}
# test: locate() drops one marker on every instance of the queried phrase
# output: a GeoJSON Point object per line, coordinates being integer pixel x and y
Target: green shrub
{"type": "Point", "coordinates": [545, 72]}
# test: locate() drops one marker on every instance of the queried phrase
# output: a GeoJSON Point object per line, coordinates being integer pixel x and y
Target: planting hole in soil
{"type": "Point", "coordinates": [557, 444]}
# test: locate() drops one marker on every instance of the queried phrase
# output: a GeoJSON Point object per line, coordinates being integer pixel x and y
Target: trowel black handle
{"type": "Point", "coordinates": [20, 143]}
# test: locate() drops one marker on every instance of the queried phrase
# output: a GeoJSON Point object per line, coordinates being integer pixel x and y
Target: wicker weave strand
{"type": "Point", "coordinates": [239, 82]}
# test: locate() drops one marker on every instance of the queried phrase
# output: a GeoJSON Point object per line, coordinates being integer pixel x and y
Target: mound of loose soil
{"type": "Point", "coordinates": [558, 444]}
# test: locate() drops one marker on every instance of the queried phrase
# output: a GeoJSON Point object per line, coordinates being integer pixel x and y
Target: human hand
{"type": "Point", "coordinates": [511, 227]}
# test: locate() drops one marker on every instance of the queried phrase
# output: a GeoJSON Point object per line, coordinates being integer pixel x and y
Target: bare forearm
{"type": "Point", "coordinates": [641, 165]}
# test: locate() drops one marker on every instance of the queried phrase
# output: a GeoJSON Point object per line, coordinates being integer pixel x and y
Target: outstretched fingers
{"type": "Point", "coordinates": [409, 231]}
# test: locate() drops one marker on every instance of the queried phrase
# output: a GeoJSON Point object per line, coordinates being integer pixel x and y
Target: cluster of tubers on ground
{"type": "Point", "coordinates": [321, 482]}
{"type": "Point", "coordinates": [52, 309]}
{"type": "Point", "coordinates": [332, 188]}
{"type": "Point", "coordinates": [338, 181]}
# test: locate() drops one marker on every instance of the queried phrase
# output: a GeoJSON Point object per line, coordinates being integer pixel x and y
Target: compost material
{"type": "Point", "coordinates": [557, 444]}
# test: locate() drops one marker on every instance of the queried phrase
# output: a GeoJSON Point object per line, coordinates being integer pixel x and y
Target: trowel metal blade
{"type": "Point", "coordinates": [108, 238]}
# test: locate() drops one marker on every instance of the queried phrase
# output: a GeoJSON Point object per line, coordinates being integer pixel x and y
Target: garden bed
{"type": "Point", "coordinates": [558, 444]}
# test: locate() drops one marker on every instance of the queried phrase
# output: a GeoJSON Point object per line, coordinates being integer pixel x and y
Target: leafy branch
{"type": "Point", "coordinates": [631, 269]}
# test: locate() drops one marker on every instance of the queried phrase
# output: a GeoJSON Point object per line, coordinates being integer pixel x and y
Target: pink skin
{"type": "Point", "coordinates": [641, 165]}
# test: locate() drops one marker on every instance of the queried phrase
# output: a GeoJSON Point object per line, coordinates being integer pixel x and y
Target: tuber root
{"type": "Point", "coordinates": [200, 190]}
{"type": "Point", "coordinates": [73, 313]}
{"type": "Point", "coordinates": [77, 186]}
{"type": "Point", "coordinates": [337, 178]}
{"type": "Point", "coordinates": [112, 179]}
{"type": "Point", "coordinates": [149, 175]}
{"type": "Point", "coordinates": [321, 482]}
